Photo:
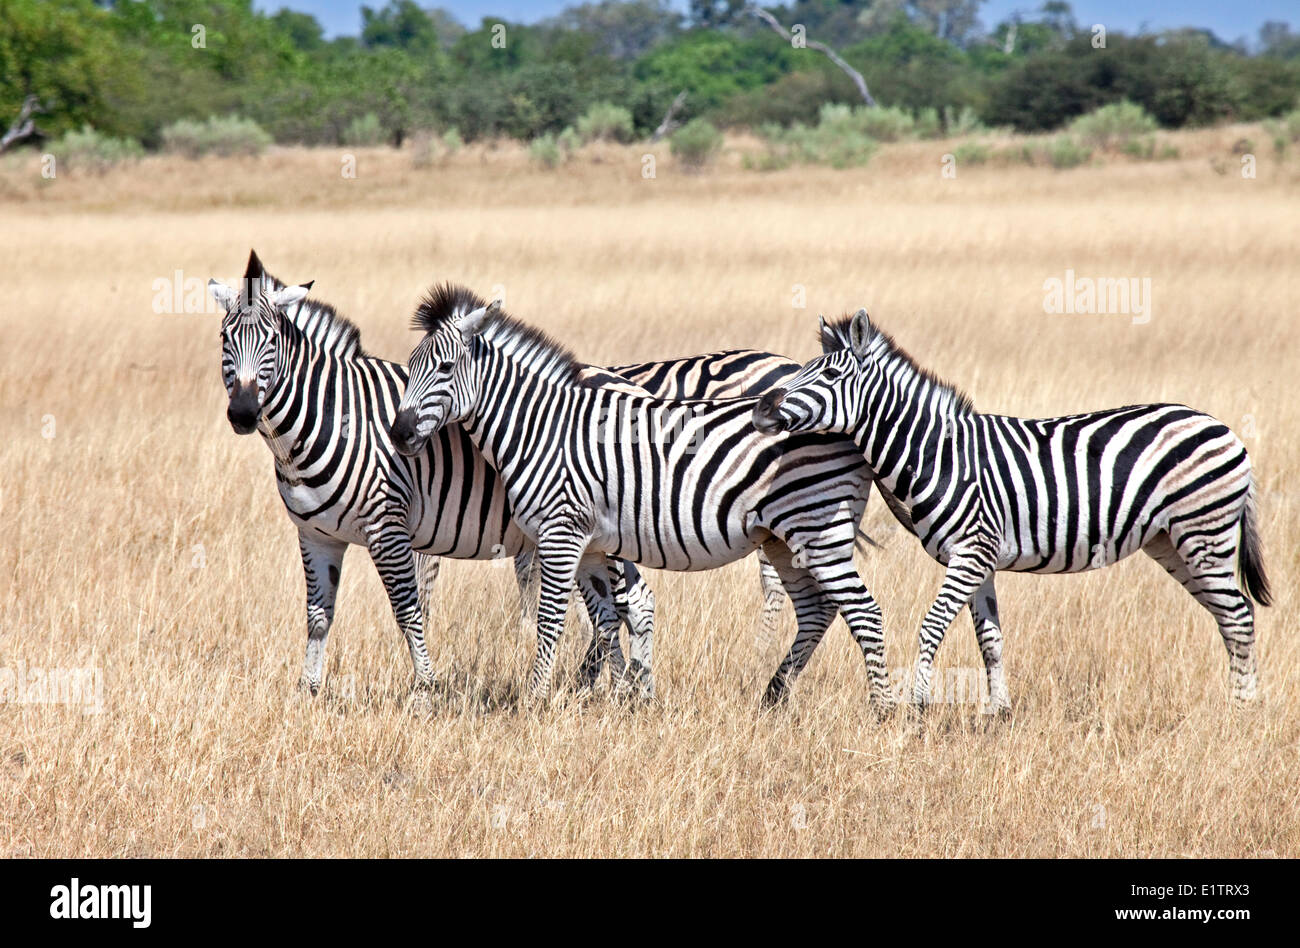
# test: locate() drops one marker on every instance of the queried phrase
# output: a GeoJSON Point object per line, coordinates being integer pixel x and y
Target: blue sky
{"type": "Point", "coordinates": [1228, 19]}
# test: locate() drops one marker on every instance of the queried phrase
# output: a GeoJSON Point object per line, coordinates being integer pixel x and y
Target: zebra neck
{"type": "Point", "coordinates": [510, 421]}
{"type": "Point", "coordinates": [911, 439]}
{"type": "Point", "coordinates": [304, 377]}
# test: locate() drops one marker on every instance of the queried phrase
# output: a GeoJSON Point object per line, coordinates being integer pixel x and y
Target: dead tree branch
{"type": "Point", "coordinates": [820, 47]}
{"type": "Point", "coordinates": [670, 123]}
{"type": "Point", "coordinates": [24, 126]}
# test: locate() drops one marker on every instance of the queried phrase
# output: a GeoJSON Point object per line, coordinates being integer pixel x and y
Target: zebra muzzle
{"type": "Point", "coordinates": [767, 417]}
{"type": "Point", "coordinates": [243, 409]}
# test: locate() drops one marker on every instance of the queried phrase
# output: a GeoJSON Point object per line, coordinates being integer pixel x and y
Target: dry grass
{"type": "Point", "coordinates": [1122, 740]}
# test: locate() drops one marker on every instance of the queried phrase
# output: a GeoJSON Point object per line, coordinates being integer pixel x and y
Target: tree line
{"type": "Point", "coordinates": [135, 68]}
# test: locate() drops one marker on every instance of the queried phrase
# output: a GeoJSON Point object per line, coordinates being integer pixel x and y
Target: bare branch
{"type": "Point", "coordinates": [670, 123]}
{"type": "Point", "coordinates": [23, 126]}
{"type": "Point", "coordinates": [820, 47]}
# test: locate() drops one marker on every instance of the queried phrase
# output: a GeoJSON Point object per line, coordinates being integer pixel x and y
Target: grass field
{"type": "Point", "coordinates": [146, 541]}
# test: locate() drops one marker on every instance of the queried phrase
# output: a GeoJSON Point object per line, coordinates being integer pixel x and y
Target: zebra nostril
{"type": "Point", "coordinates": [771, 400]}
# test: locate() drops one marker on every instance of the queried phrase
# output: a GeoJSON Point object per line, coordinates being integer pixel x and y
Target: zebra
{"type": "Point", "coordinates": [595, 471]}
{"type": "Point", "coordinates": [1053, 495]}
{"type": "Point", "coordinates": [295, 371]}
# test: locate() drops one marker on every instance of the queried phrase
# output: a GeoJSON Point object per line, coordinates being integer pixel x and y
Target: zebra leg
{"type": "Point", "coordinates": [390, 548]}
{"type": "Point", "coordinates": [965, 575]}
{"type": "Point", "coordinates": [1209, 577]}
{"type": "Point", "coordinates": [843, 587]}
{"type": "Point", "coordinates": [635, 601]}
{"type": "Point", "coordinates": [988, 632]}
{"type": "Point", "coordinates": [560, 552]}
{"type": "Point", "coordinates": [526, 577]}
{"type": "Point", "coordinates": [427, 568]}
{"type": "Point", "coordinates": [773, 599]}
{"type": "Point", "coordinates": [813, 614]}
{"type": "Point", "coordinates": [594, 582]}
{"type": "Point", "coordinates": [322, 561]}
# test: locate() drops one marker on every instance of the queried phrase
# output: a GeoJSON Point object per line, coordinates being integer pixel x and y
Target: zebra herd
{"type": "Point", "coordinates": [497, 441]}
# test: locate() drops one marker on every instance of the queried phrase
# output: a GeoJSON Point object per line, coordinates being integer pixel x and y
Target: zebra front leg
{"type": "Point", "coordinates": [965, 574]}
{"type": "Point", "coordinates": [635, 601]}
{"type": "Point", "coordinates": [842, 586]}
{"type": "Point", "coordinates": [322, 561]}
{"type": "Point", "coordinates": [988, 632]}
{"type": "Point", "coordinates": [560, 553]}
{"type": "Point", "coordinates": [390, 548]}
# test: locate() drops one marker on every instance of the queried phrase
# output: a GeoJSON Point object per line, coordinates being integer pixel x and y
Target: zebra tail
{"type": "Point", "coordinates": [1251, 558]}
{"type": "Point", "coordinates": [862, 541]}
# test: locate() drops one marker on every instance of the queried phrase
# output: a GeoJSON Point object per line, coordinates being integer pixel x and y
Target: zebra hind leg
{"type": "Point", "coordinates": [965, 575]}
{"type": "Point", "coordinates": [390, 548]}
{"type": "Point", "coordinates": [427, 568]}
{"type": "Point", "coordinates": [988, 632]}
{"type": "Point", "coordinates": [773, 600]}
{"type": "Point", "coordinates": [813, 615]}
{"type": "Point", "coordinates": [635, 602]}
{"type": "Point", "coordinates": [594, 582]}
{"type": "Point", "coordinates": [1203, 570]}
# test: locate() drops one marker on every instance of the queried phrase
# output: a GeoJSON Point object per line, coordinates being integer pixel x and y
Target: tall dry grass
{"type": "Point", "coordinates": [145, 540]}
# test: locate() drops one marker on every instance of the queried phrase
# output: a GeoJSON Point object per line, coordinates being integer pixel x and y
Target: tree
{"type": "Point", "coordinates": [623, 29]}
{"type": "Point", "coordinates": [399, 25]}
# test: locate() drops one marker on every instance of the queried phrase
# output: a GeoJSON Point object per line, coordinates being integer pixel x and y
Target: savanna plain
{"type": "Point", "coordinates": [146, 541]}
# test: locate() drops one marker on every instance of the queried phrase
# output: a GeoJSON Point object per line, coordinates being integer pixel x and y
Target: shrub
{"type": "Point", "coordinates": [363, 131]}
{"type": "Point", "coordinates": [928, 124]}
{"type": "Point", "coordinates": [218, 135]}
{"type": "Point", "coordinates": [882, 124]}
{"type": "Point", "coordinates": [605, 122]}
{"type": "Point", "coordinates": [569, 140]}
{"type": "Point", "coordinates": [1113, 126]}
{"type": "Point", "coordinates": [972, 153]}
{"type": "Point", "coordinates": [452, 141]}
{"type": "Point", "coordinates": [1285, 130]}
{"type": "Point", "coordinates": [92, 151]}
{"type": "Point", "coordinates": [837, 140]}
{"type": "Point", "coordinates": [545, 150]}
{"type": "Point", "coordinates": [965, 122]}
{"type": "Point", "coordinates": [695, 143]}
{"type": "Point", "coordinates": [1064, 152]}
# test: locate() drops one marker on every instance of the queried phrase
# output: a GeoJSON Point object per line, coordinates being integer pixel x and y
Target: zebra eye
{"type": "Point", "coordinates": [830, 373]}
{"type": "Point", "coordinates": [445, 367]}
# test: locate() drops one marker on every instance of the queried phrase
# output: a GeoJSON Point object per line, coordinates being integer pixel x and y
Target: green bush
{"type": "Point", "coordinates": [695, 143]}
{"type": "Point", "coordinates": [1064, 152]}
{"type": "Point", "coordinates": [964, 122]}
{"type": "Point", "coordinates": [363, 131]}
{"type": "Point", "coordinates": [218, 135]}
{"type": "Point", "coordinates": [972, 153]}
{"type": "Point", "coordinates": [928, 124]}
{"type": "Point", "coordinates": [1285, 130]}
{"type": "Point", "coordinates": [545, 150]}
{"type": "Point", "coordinates": [882, 124]}
{"type": "Point", "coordinates": [569, 140]}
{"type": "Point", "coordinates": [605, 122]}
{"type": "Point", "coordinates": [837, 139]}
{"type": "Point", "coordinates": [94, 152]}
{"type": "Point", "coordinates": [1116, 125]}
{"type": "Point", "coordinates": [452, 141]}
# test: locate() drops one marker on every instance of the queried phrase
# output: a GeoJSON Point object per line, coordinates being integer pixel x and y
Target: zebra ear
{"type": "Point", "coordinates": [290, 295]}
{"type": "Point", "coordinates": [225, 295]}
{"type": "Point", "coordinates": [472, 323]}
{"type": "Point", "coordinates": [860, 333]}
{"type": "Point", "coordinates": [829, 342]}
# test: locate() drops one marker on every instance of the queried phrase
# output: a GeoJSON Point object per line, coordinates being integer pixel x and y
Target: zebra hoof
{"type": "Point", "coordinates": [420, 701]}
{"type": "Point", "coordinates": [778, 692]}
{"type": "Point", "coordinates": [311, 688]}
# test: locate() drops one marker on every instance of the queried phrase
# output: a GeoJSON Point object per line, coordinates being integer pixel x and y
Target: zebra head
{"type": "Point", "coordinates": [439, 385]}
{"type": "Point", "coordinates": [825, 395]}
{"type": "Point", "coordinates": [250, 339]}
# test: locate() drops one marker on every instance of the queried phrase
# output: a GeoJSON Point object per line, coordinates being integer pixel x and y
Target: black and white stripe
{"type": "Point", "coordinates": [1051, 495]}
{"type": "Point", "coordinates": [597, 470]}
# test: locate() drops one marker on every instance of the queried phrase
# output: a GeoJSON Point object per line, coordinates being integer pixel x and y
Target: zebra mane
{"type": "Point", "coordinates": [319, 322]}
{"type": "Point", "coordinates": [835, 336]}
{"type": "Point", "coordinates": [526, 344]}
